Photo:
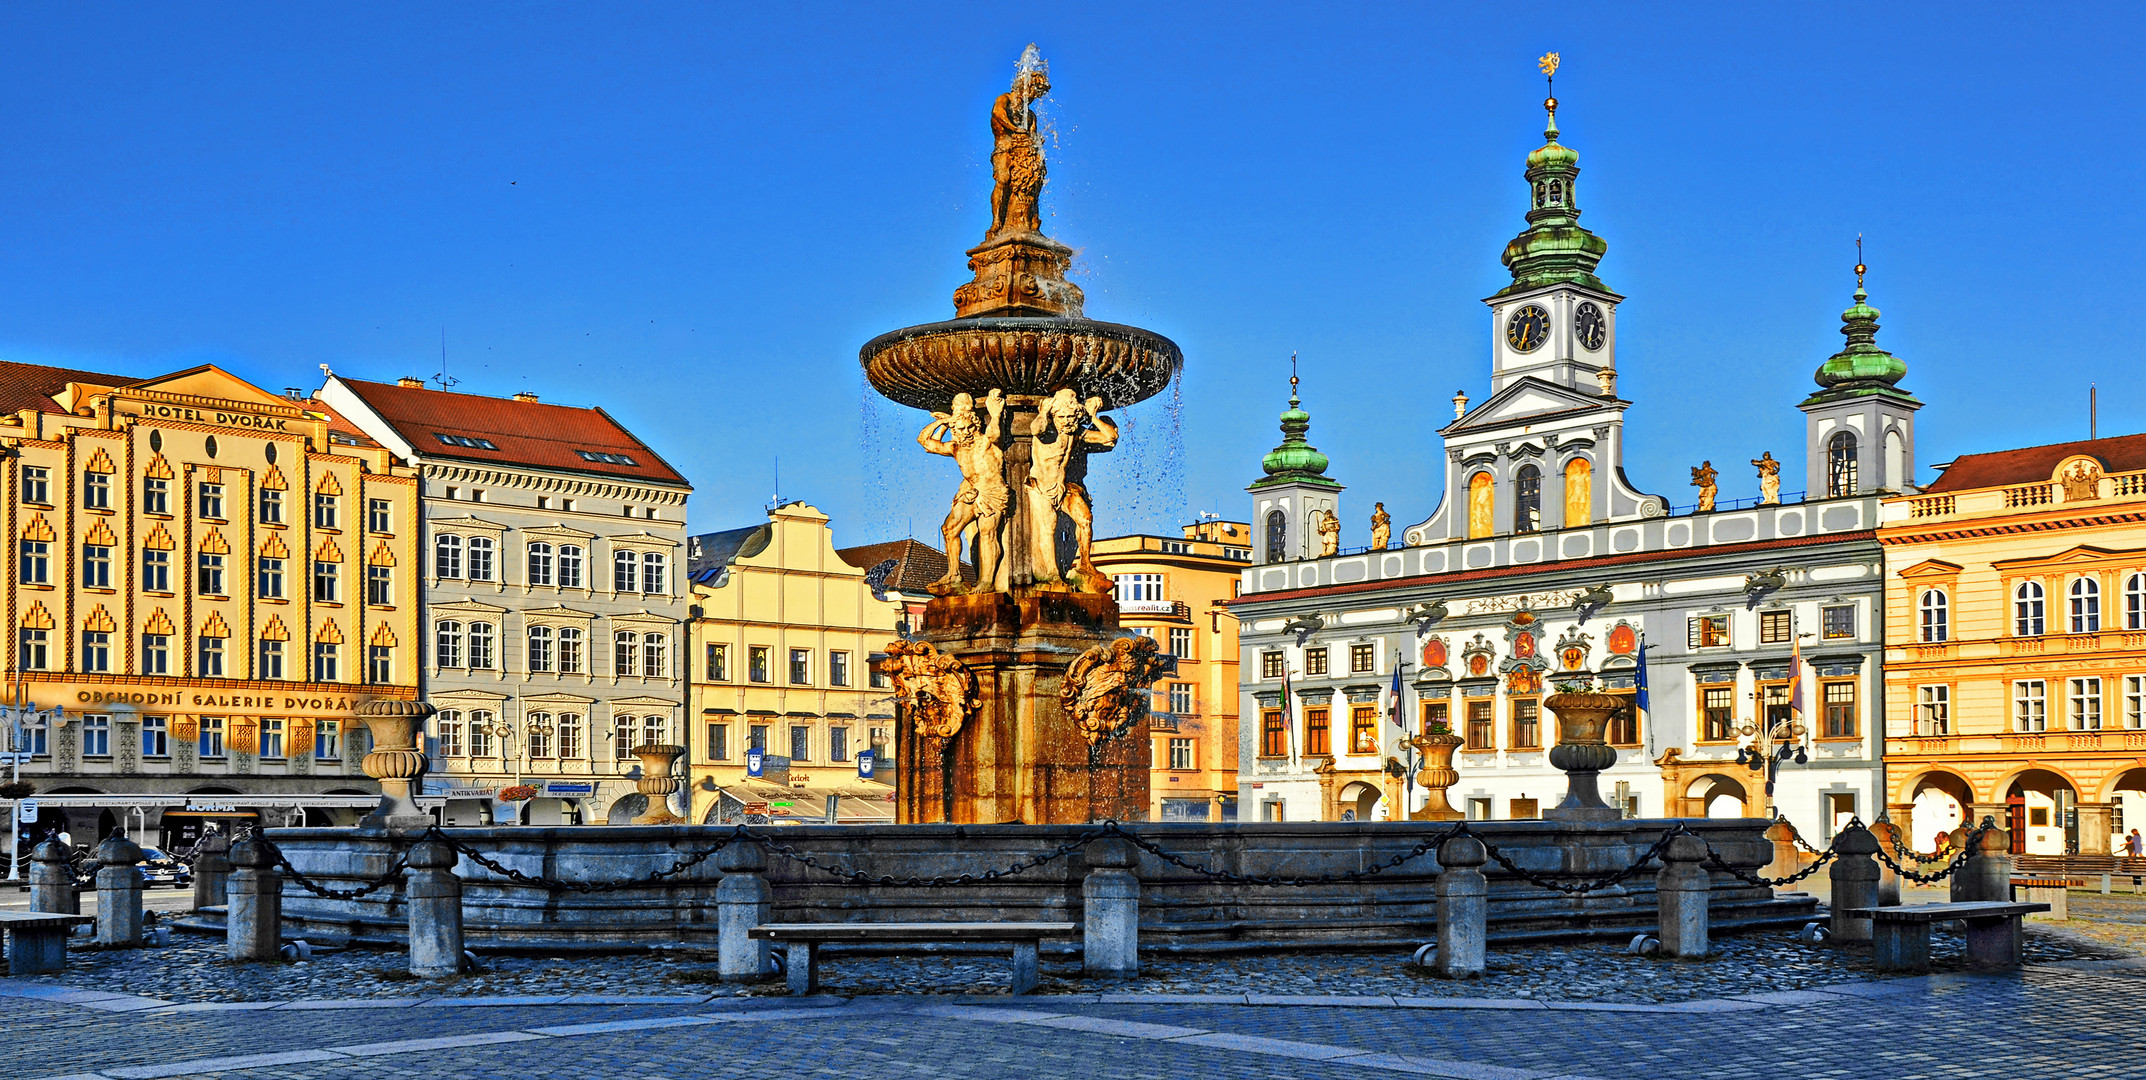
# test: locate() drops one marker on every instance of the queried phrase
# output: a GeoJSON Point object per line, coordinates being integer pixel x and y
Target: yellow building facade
{"type": "Point", "coordinates": [791, 724]}
{"type": "Point", "coordinates": [1176, 590]}
{"type": "Point", "coordinates": [2015, 664]}
{"type": "Point", "coordinates": [207, 579]}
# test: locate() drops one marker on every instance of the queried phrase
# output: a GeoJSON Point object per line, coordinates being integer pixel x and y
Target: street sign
{"type": "Point", "coordinates": [866, 759]}
{"type": "Point", "coordinates": [783, 803]}
{"type": "Point", "coordinates": [755, 761]}
{"type": "Point", "coordinates": [15, 757]}
{"type": "Point", "coordinates": [756, 808]}
{"type": "Point", "coordinates": [27, 808]}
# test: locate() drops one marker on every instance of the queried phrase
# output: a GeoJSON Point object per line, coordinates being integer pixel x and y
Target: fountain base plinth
{"type": "Point", "coordinates": [1018, 757]}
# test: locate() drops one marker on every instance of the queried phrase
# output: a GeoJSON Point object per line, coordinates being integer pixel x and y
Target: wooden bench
{"type": "Point", "coordinates": [37, 940]}
{"type": "Point", "coordinates": [1900, 936]}
{"type": "Point", "coordinates": [2048, 890]}
{"type": "Point", "coordinates": [804, 940]}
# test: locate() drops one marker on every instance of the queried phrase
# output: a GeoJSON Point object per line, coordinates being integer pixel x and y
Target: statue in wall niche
{"type": "Point", "coordinates": [1329, 533]}
{"type": "Point", "coordinates": [1105, 690]}
{"type": "Point", "coordinates": [1769, 479]}
{"type": "Point", "coordinates": [978, 446]}
{"type": "Point", "coordinates": [1017, 150]}
{"type": "Point", "coordinates": [1703, 479]}
{"type": "Point", "coordinates": [1381, 527]}
{"type": "Point", "coordinates": [1055, 469]}
{"type": "Point", "coordinates": [935, 691]}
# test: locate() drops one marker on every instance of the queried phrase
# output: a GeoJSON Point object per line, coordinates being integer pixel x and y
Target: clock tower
{"type": "Point", "coordinates": [1557, 321]}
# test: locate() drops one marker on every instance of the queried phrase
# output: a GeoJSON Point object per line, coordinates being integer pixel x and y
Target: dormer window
{"type": "Point", "coordinates": [605, 457]}
{"type": "Point", "coordinates": [465, 441]}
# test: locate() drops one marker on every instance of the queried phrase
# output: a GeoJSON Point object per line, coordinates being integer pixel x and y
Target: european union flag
{"type": "Point", "coordinates": [1639, 698]}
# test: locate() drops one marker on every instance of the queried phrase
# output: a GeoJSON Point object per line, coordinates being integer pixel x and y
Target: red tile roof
{"type": "Point", "coordinates": [917, 564]}
{"type": "Point", "coordinates": [2036, 464]}
{"type": "Point", "coordinates": [31, 386]}
{"type": "Point", "coordinates": [524, 432]}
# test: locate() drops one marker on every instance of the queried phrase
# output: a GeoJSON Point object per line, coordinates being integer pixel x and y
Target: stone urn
{"type": "Point", "coordinates": [396, 762]}
{"type": "Point", "coordinates": [1436, 775]}
{"type": "Point", "coordinates": [657, 784]}
{"type": "Point", "coordinates": [1582, 752]}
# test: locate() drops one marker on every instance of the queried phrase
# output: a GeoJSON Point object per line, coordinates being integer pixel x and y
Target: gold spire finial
{"type": "Point", "coordinates": [1292, 376]}
{"type": "Point", "coordinates": [1859, 267]}
{"type": "Point", "coordinates": [1548, 63]}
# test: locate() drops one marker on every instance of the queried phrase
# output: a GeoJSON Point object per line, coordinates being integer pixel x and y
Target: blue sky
{"type": "Point", "coordinates": [694, 214]}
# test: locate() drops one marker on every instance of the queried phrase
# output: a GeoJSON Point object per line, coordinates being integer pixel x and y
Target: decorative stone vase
{"type": "Point", "coordinates": [657, 784]}
{"type": "Point", "coordinates": [1436, 776]}
{"type": "Point", "coordinates": [395, 761]}
{"type": "Point", "coordinates": [1582, 752]}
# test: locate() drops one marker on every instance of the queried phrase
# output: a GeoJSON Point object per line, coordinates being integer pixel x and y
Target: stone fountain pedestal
{"type": "Point", "coordinates": [1020, 757]}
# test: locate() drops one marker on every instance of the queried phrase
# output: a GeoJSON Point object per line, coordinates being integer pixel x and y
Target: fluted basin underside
{"type": "Point", "coordinates": [925, 366]}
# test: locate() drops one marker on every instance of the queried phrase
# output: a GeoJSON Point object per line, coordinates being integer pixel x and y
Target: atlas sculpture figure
{"type": "Point", "coordinates": [1055, 470]}
{"type": "Point", "coordinates": [981, 502]}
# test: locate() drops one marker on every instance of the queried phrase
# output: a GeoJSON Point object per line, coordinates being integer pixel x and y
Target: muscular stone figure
{"type": "Point", "coordinates": [1017, 156]}
{"type": "Point", "coordinates": [1055, 470]}
{"type": "Point", "coordinates": [981, 503]}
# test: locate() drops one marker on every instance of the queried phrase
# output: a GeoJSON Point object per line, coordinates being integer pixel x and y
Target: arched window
{"type": "Point", "coordinates": [1936, 621]}
{"type": "Point", "coordinates": [540, 648]}
{"type": "Point", "coordinates": [447, 650]}
{"type": "Point", "coordinates": [1841, 476]}
{"type": "Point", "coordinates": [447, 555]}
{"type": "Point", "coordinates": [2135, 602]}
{"type": "Point", "coordinates": [1277, 536]}
{"type": "Point", "coordinates": [480, 558]}
{"type": "Point", "coordinates": [1482, 502]}
{"type": "Point", "coordinates": [626, 571]}
{"type": "Point", "coordinates": [1579, 493]}
{"type": "Point", "coordinates": [2027, 609]}
{"type": "Point", "coordinates": [1527, 499]}
{"type": "Point", "coordinates": [480, 645]}
{"type": "Point", "coordinates": [2085, 606]}
{"type": "Point", "coordinates": [540, 564]}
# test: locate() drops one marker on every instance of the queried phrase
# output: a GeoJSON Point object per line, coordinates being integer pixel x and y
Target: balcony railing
{"type": "Point", "coordinates": [1933, 506]}
{"type": "Point", "coordinates": [2029, 495]}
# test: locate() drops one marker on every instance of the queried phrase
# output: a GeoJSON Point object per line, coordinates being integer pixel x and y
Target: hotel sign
{"type": "Point", "coordinates": [217, 417]}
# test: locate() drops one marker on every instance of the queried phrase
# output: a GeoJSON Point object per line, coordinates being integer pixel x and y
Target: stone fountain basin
{"type": "Point", "coordinates": [1024, 355]}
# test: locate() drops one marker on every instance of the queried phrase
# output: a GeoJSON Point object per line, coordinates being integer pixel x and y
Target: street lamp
{"type": "Point", "coordinates": [1766, 744]}
{"type": "Point", "coordinates": [21, 715]}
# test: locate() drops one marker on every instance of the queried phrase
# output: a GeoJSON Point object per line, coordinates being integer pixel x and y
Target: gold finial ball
{"type": "Point", "coordinates": [1550, 104]}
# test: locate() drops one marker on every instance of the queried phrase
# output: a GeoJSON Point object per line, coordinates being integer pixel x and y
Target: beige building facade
{"type": "Point", "coordinates": [792, 724]}
{"type": "Point", "coordinates": [207, 579]}
{"type": "Point", "coordinates": [1177, 590]}
{"type": "Point", "coordinates": [2015, 662]}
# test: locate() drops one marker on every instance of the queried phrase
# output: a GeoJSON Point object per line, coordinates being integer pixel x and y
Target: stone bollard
{"type": "Point", "coordinates": [212, 871]}
{"type": "Point", "coordinates": [52, 880]}
{"type": "Point", "coordinates": [1855, 881]}
{"type": "Point", "coordinates": [119, 892]}
{"type": "Point", "coordinates": [435, 897]}
{"type": "Point", "coordinates": [1988, 873]}
{"type": "Point", "coordinates": [1110, 902]}
{"type": "Point", "coordinates": [1891, 843]}
{"type": "Point", "coordinates": [742, 901]}
{"type": "Point", "coordinates": [254, 920]}
{"type": "Point", "coordinates": [1682, 887]}
{"type": "Point", "coordinates": [1463, 909]}
{"type": "Point", "coordinates": [1957, 884]}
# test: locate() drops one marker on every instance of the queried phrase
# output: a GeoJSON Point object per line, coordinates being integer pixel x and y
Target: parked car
{"type": "Point", "coordinates": [159, 868]}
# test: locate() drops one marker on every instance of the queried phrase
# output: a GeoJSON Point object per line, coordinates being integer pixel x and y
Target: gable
{"type": "Point", "coordinates": [210, 381]}
{"type": "Point", "coordinates": [1529, 399]}
{"type": "Point", "coordinates": [1930, 568]}
{"type": "Point", "coordinates": [2082, 553]}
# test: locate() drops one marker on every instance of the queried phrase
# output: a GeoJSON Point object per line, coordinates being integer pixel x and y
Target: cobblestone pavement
{"type": "Point", "coordinates": [193, 969]}
{"type": "Point", "coordinates": [2048, 1021]}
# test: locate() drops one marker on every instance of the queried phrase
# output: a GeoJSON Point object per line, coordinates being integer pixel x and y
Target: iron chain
{"type": "Point", "coordinates": [556, 885]}
{"type": "Point", "coordinates": [1573, 888]}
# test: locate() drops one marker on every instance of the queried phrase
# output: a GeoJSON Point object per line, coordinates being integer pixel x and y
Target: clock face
{"type": "Point", "coordinates": [1589, 322]}
{"type": "Point", "coordinates": [1528, 328]}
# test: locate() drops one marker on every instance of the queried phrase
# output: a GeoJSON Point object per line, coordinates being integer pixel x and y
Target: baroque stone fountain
{"type": "Point", "coordinates": [1018, 700]}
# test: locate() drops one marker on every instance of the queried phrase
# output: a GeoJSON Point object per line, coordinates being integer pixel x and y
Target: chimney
{"type": "Point", "coordinates": [526, 396]}
{"type": "Point", "coordinates": [411, 381]}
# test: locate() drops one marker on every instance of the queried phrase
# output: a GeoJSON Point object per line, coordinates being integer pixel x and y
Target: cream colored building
{"type": "Point", "coordinates": [1176, 590]}
{"type": "Point", "coordinates": [2015, 664]}
{"type": "Point", "coordinates": [554, 603]}
{"type": "Point", "coordinates": [208, 579]}
{"type": "Point", "coordinates": [784, 629]}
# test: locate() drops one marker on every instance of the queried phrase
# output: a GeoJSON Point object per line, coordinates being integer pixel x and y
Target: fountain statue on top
{"type": "Point", "coordinates": [1017, 384]}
